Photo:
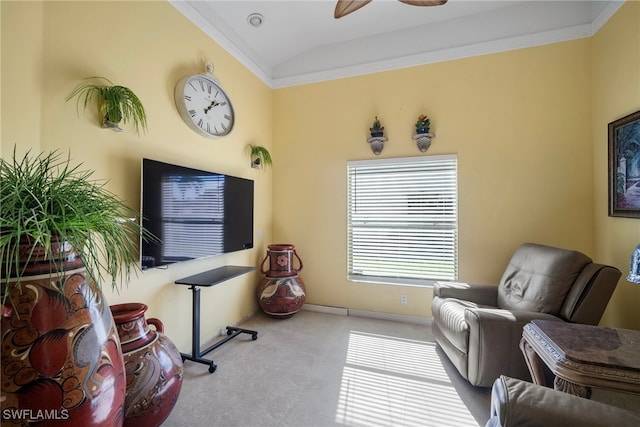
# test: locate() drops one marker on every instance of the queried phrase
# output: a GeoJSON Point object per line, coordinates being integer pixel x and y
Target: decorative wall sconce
{"type": "Point", "coordinates": [634, 266]}
{"type": "Point", "coordinates": [377, 137]}
{"type": "Point", "coordinates": [422, 136]}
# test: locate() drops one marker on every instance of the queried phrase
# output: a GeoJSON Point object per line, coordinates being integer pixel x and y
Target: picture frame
{"type": "Point", "coordinates": [624, 166]}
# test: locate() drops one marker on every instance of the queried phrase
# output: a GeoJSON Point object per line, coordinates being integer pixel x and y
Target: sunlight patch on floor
{"type": "Point", "coordinates": [390, 381]}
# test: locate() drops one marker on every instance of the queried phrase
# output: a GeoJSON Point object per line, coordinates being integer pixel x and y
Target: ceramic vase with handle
{"type": "Point", "coordinates": [281, 293]}
{"type": "Point", "coordinates": [153, 366]}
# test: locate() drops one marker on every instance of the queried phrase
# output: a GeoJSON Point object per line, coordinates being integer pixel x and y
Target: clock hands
{"type": "Point", "coordinates": [213, 104]}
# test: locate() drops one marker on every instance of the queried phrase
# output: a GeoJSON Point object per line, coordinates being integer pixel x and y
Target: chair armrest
{"type": "Point", "coordinates": [520, 403]}
{"type": "Point", "coordinates": [494, 343]}
{"type": "Point", "coordinates": [479, 294]}
{"type": "Point", "coordinates": [485, 317]}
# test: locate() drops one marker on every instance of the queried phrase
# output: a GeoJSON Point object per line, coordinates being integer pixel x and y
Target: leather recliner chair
{"type": "Point", "coordinates": [479, 327]}
{"type": "Point", "coordinates": [522, 404]}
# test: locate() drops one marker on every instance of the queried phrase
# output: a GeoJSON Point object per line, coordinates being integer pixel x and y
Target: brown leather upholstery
{"type": "Point", "coordinates": [479, 327]}
{"type": "Point", "coordinates": [516, 403]}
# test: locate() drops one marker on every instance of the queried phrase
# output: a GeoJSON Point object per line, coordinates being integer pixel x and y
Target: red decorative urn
{"type": "Point", "coordinates": [281, 293]}
{"type": "Point", "coordinates": [153, 367]}
{"type": "Point", "coordinates": [59, 350]}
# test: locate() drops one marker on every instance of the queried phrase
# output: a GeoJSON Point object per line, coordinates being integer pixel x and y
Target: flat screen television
{"type": "Point", "coordinates": [194, 213]}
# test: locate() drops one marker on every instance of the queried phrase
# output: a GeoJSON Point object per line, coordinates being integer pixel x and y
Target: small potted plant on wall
{"type": "Point", "coordinates": [377, 129]}
{"type": "Point", "coordinates": [423, 124]}
{"type": "Point", "coordinates": [62, 234]}
{"type": "Point", "coordinates": [376, 142]}
{"type": "Point", "coordinates": [260, 157]}
{"type": "Point", "coordinates": [115, 103]}
{"type": "Point", "coordinates": [422, 136]}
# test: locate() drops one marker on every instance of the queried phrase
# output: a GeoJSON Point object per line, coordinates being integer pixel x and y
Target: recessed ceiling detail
{"type": "Point", "coordinates": [301, 42]}
{"type": "Point", "coordinates": [255, 19]}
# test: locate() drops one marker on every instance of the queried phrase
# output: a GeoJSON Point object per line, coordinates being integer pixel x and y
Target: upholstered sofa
{"type": "Point", "coordinates": [479, 327]}
{"type": "Point", "coordinates": [517, 403]}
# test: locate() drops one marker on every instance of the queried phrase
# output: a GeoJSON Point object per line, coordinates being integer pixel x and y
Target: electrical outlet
{"type": "Point", "coordinates": [403, 299]}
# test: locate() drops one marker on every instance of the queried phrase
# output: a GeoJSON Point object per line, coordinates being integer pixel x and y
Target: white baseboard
{"type": "Point", "coordinates": [370, 314]}
{"type": "Point", "coordinates": [340, 311]}
{"type": "Point", "coordinates": [389, 316]}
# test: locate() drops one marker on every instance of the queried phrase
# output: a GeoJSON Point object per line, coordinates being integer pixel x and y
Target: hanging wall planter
{"type": "Point", "coordinates": [377, 139]}
{"type": "Point", "coordinates": [260, 157]}
{"type": "Point", "coordinates": [423, 140]}
{"type": "Point", "coordinates": [422, 136]}
{"type": "Point", "coordinates": [115, 104]}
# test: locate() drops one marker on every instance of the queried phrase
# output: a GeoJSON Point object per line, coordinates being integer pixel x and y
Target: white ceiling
{"type": "Point", "coordinates": [300, 41]}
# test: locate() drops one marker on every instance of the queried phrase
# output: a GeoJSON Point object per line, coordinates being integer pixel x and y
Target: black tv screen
{"type": "Point", "coordinates": [194, 213]}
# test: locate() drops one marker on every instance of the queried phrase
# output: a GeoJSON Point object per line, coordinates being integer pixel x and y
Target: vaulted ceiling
{"type": "Point", "coordinates": [301, 42]}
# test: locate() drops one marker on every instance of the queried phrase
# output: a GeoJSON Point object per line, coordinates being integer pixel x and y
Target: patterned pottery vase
{"type": "Point", "coordinates": [153, 367]}
{"type": "Point", "coordinates": [281, 297]}
{"type": "Point", "coordinates": [61, 359]}
{"type": "Point", "coordinates": [280, 258]}
{"type": "Point", "coordinates": [281, 293]}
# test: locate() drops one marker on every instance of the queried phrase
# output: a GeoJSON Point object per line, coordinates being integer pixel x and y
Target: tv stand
{"type": "Point", "coordinates": [207, 279]}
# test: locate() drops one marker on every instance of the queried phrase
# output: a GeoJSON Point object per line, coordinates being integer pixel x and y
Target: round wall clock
{"type": "Point", "coordinates": [204, 105]}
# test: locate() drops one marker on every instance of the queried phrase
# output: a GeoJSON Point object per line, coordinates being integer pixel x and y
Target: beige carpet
{"type": "Point", "coordinates": [317, 369]}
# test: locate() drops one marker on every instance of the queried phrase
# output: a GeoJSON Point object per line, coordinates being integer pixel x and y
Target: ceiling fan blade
{"type": "Point", "coordinates": [345, 7]}
{"type": "Point", "coordinates": [424, 2]}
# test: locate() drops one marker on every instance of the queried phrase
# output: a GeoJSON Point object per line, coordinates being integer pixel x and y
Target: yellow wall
{"type": "Point", "coordinates": [615, 94]}
{"type": "Point", "coordinates": [22, 68]}
{"type": "Point", "coordinates": [48, 48]}
{"type": "Point", "coordinates": [528, 126]}
{"type": "Point", "coordinates": [519, 123]}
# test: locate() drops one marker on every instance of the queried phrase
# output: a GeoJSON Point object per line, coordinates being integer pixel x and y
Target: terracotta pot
{"type": "Point", "coordinates": [281, 297]}
{"type": "Point", "coordinates": [281, 261]}
{"type": "Point", "coordinates": [282, 292]}
{"type": "Point", "coordinates": [153, 367]}
{"type": "Point", "coordinates": [61, 358]}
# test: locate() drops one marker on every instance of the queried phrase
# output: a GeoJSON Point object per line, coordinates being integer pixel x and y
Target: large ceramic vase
{"type": "Point", "coordinates": [153, 366]}
{"type": "Point", "coordinates": [281, 293]}
{"type": "Point", "coordinates": [62, 363]}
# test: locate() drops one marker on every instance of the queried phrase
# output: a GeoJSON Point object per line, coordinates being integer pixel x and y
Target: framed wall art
{"type": "Point", "coordinates": [624, 166]}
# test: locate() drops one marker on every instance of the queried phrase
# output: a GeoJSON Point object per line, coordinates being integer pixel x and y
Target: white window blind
{"type": "Point", "coordinates": [403, 220]}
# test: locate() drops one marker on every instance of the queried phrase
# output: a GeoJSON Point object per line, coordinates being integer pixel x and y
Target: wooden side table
{"type": "Point", "coordinates": [582, 356]}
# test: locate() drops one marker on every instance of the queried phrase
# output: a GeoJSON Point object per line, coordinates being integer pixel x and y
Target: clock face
{"type": "Point", "coordinates": [204, 105]}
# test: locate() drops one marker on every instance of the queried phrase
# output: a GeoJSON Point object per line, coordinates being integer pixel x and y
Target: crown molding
{"type": "Point", "coordinates": [460, 52]}
{"type": "Point", "coordinates": [196, 17]}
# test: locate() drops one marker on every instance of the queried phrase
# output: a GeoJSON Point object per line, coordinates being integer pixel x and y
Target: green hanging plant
{"type": "Point", "coordinates": [44, 200]}
{"type": "Point", "coordinates": [260, 156]}
{"type": "Point", "coordinates": [115, 103]}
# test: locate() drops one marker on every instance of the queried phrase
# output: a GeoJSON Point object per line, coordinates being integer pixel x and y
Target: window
{"type": "Point", "coordinates": [402, 220]}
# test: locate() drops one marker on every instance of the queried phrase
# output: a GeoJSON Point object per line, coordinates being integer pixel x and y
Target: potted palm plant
{"type": "Point", "coordinates": [260, 156]}
{"type": "Point", "coordinates": [62, 235]}
{"type": "Point", "coordinates": [115, 103]}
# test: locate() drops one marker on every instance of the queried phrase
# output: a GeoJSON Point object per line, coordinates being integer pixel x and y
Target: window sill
{"type": "Point", "coordinates": [397, 281]}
